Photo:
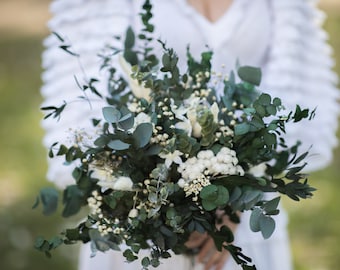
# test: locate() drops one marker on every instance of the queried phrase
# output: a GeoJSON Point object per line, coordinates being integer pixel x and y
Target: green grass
{"type": "Point", "coordinates": [314, 224]}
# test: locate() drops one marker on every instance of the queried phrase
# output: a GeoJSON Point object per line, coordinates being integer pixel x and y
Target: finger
{"type": "Point", "coordinates": [220, 264]}
{"type": "Point", "coordinates": [217, 260]}
{"type": "Point", "coordinates": [208, 247]}
{"type": "Point", "coordinates": [196, 240]}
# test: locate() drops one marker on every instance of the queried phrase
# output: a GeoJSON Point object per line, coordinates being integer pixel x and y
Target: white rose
{"type": "Point", "coordinates": [138, 90]}
{"type": "Point", "coordinates": [123, 183]}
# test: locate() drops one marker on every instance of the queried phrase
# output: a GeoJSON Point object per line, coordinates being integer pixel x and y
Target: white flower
{"type": "Point", "coordinates": [215, 110]}
{"type": "Point", "coordinates": [196, 128]}
{"type": "Point", "coordinates": [181, 183]}
{"type": "Point", "coordinates": [133, 213]}
{"type": "Point", "coordinates": [170, 158]}
{"type": "Point", "coordinates": [178, 111]}
{"type": "Point", "coordinates": [108, 180]}
{"type": "Point", "coordinates": [184, 125]}
{"type": "Point", "coordinates": [205, 154]}
{"type": "Point", "coordinates": [123, 183]}
{"type": "Point", "coordinates": [103, 174]}
{"type": "Point", "coordinates": [138, 90]}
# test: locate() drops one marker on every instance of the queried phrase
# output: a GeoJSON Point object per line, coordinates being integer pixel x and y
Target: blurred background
{"type": "Point", "coordinates": [314, 224]}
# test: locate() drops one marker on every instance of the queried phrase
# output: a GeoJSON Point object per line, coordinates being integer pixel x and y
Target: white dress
{"type": "Point", "coordinates": [283, 37]}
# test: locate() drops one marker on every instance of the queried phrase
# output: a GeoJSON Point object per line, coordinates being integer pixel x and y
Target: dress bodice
{"type": "Point", "coordinates": [233, 37]}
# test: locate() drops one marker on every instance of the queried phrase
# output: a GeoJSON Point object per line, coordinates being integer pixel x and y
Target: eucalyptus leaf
{"type": "Point", "coordinates": [267, 226]}
{"type": "Point", "coordinates": [241, 129]}
{"type": "Point", "coordinates": [73, 200]}
{"type": "Point", "coordinates": [250, 74]}
{"type": "Point", "coordinates": [49, 199]}
{"type": "Point", "coordinates": [208, 205]}
{"type": "Point", "coordinates": [118, 145]}
{"type": "Point", "coordinates": [272, 204]}
{"type": "Point", "coordinates": [254, 220]}
{"type": "Point", "coordinates": [209, 192]}
{"type": "Point", "coordinates": [142, 134]}
{"type": "Point", "coordinates": [111, 114]}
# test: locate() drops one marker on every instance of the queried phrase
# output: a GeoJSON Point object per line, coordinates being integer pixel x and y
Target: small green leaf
{"type": "Point", "coordinates": [209, 192]}
{"type": "Point", "coordinates": [39, 241]}
{"type": "Point", "coordinates": [154, 150]}
{"type": "Point", "coordinates": [56, 242]}
{"type": "Point", "coordinates": [264, 99]}
{"type": "Point", "coordinates": [142, 134]}
{"type": "Point", "coordinates": [131, 57]}
{"type": "Point", "coordinates": [111, 114]}
{"type": "Point", "coordinates": [49, 200]}
{"type": "Point", "coordinates": [62, 150]}
{"type": "Point", "coordinates": [241, 129]}
{"type": "Point", "coordinates": [277, 102]}
{"type": "Point", "coordinates": [271, 109]}
{"type": "Point", "coordinates": [267, 226]}
{"type": "Point", "coordinates": [272, 204]}
{"type": "Point", "coordinates": [127, 120]}
{"type": "Point", "coordinates": [118, 145]}
{"type": "Point", "coordinates": [145, 262]}
{"type": "Point", "coordinates": [237, 192]}
{"type": "Point", "coordinates": [254, 220]}
{"type": "Point", "coordinates": [300, 158]}
{"type": "Point", "coordinates": [129, 39]}
{"type": "Point", "coordinates": [222, 195]}
{"type": "Point", "coordinates": [208, 205]}
{"type": "Point", "coordinates": [300, 114]}
{"type": "Point", "coordinates": [170, 213]}
{"type": "Point", "coordinates": [73, 200]}
{"type": "Point", "coordinates": [250, 74]}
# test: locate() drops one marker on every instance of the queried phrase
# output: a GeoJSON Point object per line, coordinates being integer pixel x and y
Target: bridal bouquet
{"type": "Point", "coordinates": [171, 156]}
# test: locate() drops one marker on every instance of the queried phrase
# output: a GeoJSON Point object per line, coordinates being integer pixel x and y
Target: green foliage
{"type": "Point", "coordinates": [49, 199]}
{"type": "Point", "coordinates": [249, 74]}
{"type": "Point", "coordinates": [111, 114]}
{"type": "Point", "coordinates": [142, 134]}
{"type": "Point", "coordinates": [73, 200]}
{"type": "Point", "coordinates": [47, 246]}
{"type": "Point", "coordinates": [151, 183]}
{"type": "Point", "coordinates": [214, 196]}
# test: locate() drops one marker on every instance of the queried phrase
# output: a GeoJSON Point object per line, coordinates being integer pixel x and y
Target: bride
{"type": "Point", "coordinates": [283, 37]}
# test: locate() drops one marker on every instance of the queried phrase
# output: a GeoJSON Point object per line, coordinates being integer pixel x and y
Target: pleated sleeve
{"type": "Point", "coordinates": [87, 26]}
{"type": "Point", "coordinates": [299, 70]}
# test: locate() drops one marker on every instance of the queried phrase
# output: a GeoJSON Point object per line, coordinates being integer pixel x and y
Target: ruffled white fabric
{"type": "Point", "coordinates": [299, 70]}
{"type": "Point", "coordinates": [86, 26]}
{"type": "Point", "coordinates": [281, 36]}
